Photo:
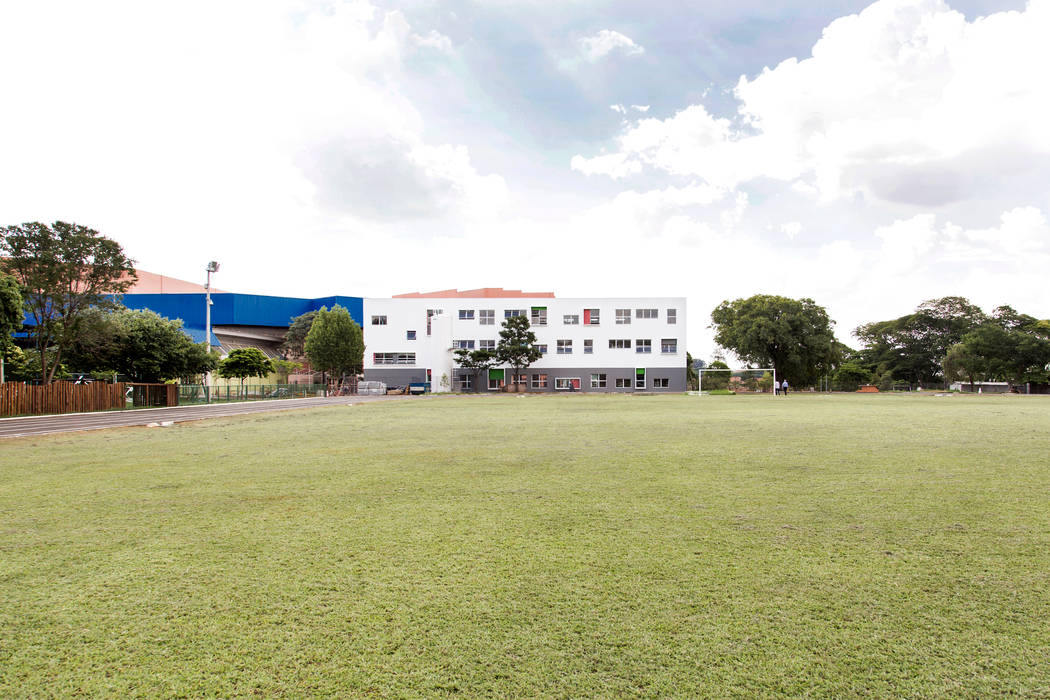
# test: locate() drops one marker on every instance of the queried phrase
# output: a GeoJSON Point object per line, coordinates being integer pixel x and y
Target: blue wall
{"type": "Point", "coordinates": [235, 309]}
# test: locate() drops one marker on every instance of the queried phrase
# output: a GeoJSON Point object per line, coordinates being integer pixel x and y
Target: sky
{"type": "Point", "coordinates": [866, 155]}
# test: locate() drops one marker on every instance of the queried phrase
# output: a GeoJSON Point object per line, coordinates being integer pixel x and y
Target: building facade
{"type": "Point", "coordinates": [588, 345]}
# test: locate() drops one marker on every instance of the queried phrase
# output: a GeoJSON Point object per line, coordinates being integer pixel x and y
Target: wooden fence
{"type": "Point", "coordinates": [66, 397]}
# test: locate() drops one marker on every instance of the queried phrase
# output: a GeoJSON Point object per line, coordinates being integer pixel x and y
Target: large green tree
{"type": "Point", "coordinates": [11, 316]}
{"type": "Point", "coordinates": [517, 344]}
{"type": "Point", "coordinates": [794, 336]}
{"type": "Point", "coordinates": [335, 344]}
{"type": "Point", "coordinates": [295, 337]}
{"type": "Point", "coordinates": [64, 270]}
{"type": "Point", "coordinates": [912, 347]}
{"type": "Point", "coordinates": [142, 345]}
{"type": "Point", "coordinates": [242, 363]}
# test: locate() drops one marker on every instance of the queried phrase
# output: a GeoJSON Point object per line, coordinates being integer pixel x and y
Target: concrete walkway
{"type": "Point", "coordinates": [71, 422]}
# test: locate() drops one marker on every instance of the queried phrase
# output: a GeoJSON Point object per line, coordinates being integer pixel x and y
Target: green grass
{"type": "Point", "coordinates": [540, 546]}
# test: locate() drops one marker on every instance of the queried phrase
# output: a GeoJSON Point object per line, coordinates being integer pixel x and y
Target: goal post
{"type": "Point", "coordinates": [744, 380]}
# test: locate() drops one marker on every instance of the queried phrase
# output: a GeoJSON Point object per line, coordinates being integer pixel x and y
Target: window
{"type": "Point", "coordinates": [430, 314]}
{"type": "Point", "coordinates": [571, 319]}
{"type": "Point", "coordinates": [623, 316]}
{"type": "Point", "coordinates": [646, 313]}
{"type": "Point", "coordinates": [379, 320]}
{"type": "Point", "coordinates": [487, 344]}
{"type": "Point", "coordinates": [620, 344]}
{"type": "Point", "coordinates": [639, 379]}
{"type": "Point", "coordinates": [465, 379]}
{"type": "Point", "coordinates": [511, 313]}
{"type": "Point", "coordinates": [463, 344]}
{"type": "Point", "coordinates": [597, 381]}
{"type": "Point", "coordinates": [588, 347]}
{"type": "Point", "coordinates": [567, 383]}
{"type": "Point", "coordinates": [643, 346]}
{"type": "Point", "coordinates": [669, 346]}
{"type": "Point", "coordinates": [564, 347]}
{"type": "Point", "coordinates": [487, 317]}
{"type": "Point", "coordinates": [522, 379]}
{"type": "Point", "coordinates": [466, 314]}
{"type": "Point", "coordinates": [661, 383]}
{"type": "Point", "coordinates": [410, 335]}
{"type": "Point", "coordinates": [539, 381]}
{"type": "Point", "coordinates": [542, 347]}
{"type": "Point", "coordinates": [672, 316]}
{"type": "Point", "coordinates": [538, 317]}
{"type": "Point", "coordinates": [394, 358]}
{"type": "Point", "coordinates": [623, 382]}
{"type": "Point", "coordinates": [591, 317]}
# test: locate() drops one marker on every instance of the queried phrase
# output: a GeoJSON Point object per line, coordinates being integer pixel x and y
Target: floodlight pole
{"type": "Point", "coordinates": [212, 267]}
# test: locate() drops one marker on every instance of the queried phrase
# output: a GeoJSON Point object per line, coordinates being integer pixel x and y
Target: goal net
{"type": "Point", "coordinates": [744, 380]}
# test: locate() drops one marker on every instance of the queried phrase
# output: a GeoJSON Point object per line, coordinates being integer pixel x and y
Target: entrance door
{"type": "Point", "coordinates": [639, 378]}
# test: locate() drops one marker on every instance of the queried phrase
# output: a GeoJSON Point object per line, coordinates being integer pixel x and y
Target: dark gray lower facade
{"type": "Point", "coordinates": [586, 380]}
{"type": "Point", "coordinates": [562, 380]}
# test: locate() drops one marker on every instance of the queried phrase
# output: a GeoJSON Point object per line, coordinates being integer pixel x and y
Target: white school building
{"type": "Point", "coordinates": [624, 344]}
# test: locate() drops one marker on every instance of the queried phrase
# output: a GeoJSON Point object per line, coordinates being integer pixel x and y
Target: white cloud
{"type": "Point", "coordinates": [605, 42]}
{"type": "Point", "coordinates": [615, 165]}
{"type": "Point", "coordinates": [640, 108]}
{"type": "Point", "coordinates": [791, 229]}
{"type": "Point", "coordinates": [619, 109]}
{"type": "Point", "coordinates": [905, 102]}
{"type": "Point", "coordinates": [433, 40]}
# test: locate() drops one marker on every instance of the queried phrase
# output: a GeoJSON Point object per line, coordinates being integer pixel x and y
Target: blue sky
{"type": "Point", "coordinates": [867, 155]}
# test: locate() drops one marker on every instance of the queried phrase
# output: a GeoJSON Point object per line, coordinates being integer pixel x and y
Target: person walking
{"type": "Point", "coordinates": [784, 387]}
{"type": "Point", "coordinates": [776, 387]}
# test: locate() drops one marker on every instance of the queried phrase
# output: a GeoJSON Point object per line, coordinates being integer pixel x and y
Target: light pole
{"type": "Point", "coordinates": [212, 267]}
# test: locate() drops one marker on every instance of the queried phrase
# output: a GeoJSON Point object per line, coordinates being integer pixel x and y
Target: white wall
{"type": "Point", "coordinates": [435, 351]}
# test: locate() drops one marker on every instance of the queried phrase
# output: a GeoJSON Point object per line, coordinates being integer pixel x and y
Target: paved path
{"type": "Point", "coordinates": [69, 422]}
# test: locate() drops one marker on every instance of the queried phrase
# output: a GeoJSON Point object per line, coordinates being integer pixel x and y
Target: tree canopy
{"type": "Point", "coordinates": [142, 345]}
{"type": "Point", "coordinates": [794, 336]}
{"type": "Point", "coordinates": [335, 343]}
{"type": "Point", "coordinates": [11, 310]}
{"type": "Point", "coordinates": [913, 347]}
{"type": "Point", "coordinates": [295, 337]}
{"type": "Point", "coordinates": [242, 363]}
{"type": "Point", "coordinates": [477, 361]}
{"type": "Point", "coordinates": [64, 270]}
{"type": "Point", "coordinates": [517, 344]}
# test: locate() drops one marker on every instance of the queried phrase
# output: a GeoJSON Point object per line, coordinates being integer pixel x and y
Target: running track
{"type": "Point", "coordinates": [70, 422]}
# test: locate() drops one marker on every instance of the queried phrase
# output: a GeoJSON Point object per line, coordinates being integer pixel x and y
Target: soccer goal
{"type": "Point", "coordinates": [740, 380]}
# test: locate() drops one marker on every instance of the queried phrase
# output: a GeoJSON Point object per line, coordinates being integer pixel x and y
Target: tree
{"type": "Point", "coordinates": [64, 269]}
{"type": "Point", "coordinates": [140, 344]}
{"type": "Point", "coordinates": [794, 336]}
{"type": "Point", "coordinates": [11, 315]}
{"type": "Point", "coordinates": [962, 363]}
{"type": "Point", "coordinates": [714, 381]}
{"type": "Point", "coordinates": [913, 347]}
{"type": "Point", "coordinates": [477, 361]}
{"type": "Point", "coordinates": [692, 379]}
{"type": "Point", "coordinates": [284, 368]}
{"type": "Point", "coordinates": [851, 375]}
{"type": "Point", "coordinates": [295, 337]}
{"type": "Point", "coordinates": [517, 345]}
{"type": "Point", "coordinates": [245, 362]}
{"type": "Point", "coordinates": [335, 343]}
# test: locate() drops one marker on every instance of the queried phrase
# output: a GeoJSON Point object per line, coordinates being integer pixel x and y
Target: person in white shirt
{"type": "Point", "coordinates": [776, 387]}
{"type": "Point", "coordinates": [784, 387]}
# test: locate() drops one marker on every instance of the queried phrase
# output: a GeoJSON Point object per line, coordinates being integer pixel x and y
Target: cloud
{"type": "Point", "coordinates": [434, 40]}
{"type": "Point", "coordinates": [278, 111]}
{"type": "Point", "coordinates": [905, 103]}
{"type": "Point", "coordinates": [605, 42]}
{"type": "Point", "coordinates": [618, 109]}
{"type": "Point", "coordinates": [640, 108]}
{"type": "Point", "coordinates": [791, 229]}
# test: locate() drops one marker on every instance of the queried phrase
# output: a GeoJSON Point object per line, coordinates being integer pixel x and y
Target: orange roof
{"type": "Point", "coordinates": [152, 283]}
{"type": "Point", "coordinates": [483, 293]}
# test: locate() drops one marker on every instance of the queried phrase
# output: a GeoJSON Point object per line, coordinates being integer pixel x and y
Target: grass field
{"type": "Point", "coordinates": [540, 546]}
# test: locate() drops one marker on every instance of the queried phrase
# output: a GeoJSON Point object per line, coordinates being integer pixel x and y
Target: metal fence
{"type": "Point", "coordinates": [190, 394]}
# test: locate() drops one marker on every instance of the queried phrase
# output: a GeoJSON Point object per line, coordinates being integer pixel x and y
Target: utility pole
{"type": "Point", "coordinates": [212, 267]}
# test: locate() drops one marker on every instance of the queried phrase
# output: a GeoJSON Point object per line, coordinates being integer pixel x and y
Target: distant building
{"type": "Point", "coordinates": [601, 345]}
